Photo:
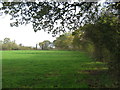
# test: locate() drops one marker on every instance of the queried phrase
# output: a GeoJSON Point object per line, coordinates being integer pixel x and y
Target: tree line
{"type": "Point", "coordinates": [101, 40]}
{"type": "Point", "coordinates": [7, 44]}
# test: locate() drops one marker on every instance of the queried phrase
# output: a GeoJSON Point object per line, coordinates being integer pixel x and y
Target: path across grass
{"type": "Point", "coordinates": [52, 69]}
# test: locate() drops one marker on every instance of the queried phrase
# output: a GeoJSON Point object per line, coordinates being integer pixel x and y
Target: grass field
{"type": "Point", "coordinates": [52, 69]}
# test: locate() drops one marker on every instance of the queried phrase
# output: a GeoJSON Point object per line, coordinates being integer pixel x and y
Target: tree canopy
{"type": "Point", "coordinates": [64, 41]}
{"type": "Point", "coordinates": [51, 16]}
{"type": "Point", "coordinates": [45, 45]}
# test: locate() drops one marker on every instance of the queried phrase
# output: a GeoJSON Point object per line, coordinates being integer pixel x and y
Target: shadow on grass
{"type": "Point", "coordinates": [97, 78]}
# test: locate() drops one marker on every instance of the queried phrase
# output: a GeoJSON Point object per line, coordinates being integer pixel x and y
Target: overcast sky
{"type": "Point", "coordinates": [23, 34]}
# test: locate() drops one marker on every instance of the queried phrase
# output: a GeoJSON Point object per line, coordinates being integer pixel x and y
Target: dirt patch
{"type": "Point", "coordinates": [92, 72]}
{"type": "Point", "coordinates": [93, 79]}
{"type": "Point", "coordinates": [52, 74]}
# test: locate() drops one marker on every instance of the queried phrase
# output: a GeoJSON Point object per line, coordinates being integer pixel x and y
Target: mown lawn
{"type": "Point", "coordinates": [52, 69]}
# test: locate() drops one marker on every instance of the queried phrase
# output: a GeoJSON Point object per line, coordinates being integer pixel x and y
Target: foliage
{"type": "Point", "coordinates": [47, 15]}
{"type": "Point", "coordinates": [7, 44]}
{"type": "Point", "coordinates": [45, 45]}
{"type": "Point", "coordinates": [64, 41]}
{"type": "Point", "coordinates": [101, 29]}
{"type": "Point", "coordinates": [105, 35]}
{"type": "Point", "coordinates": [101, 39]}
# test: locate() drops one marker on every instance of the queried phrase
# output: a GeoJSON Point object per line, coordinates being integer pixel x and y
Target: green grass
{"type": "Point", "coordinates": [52, 69]}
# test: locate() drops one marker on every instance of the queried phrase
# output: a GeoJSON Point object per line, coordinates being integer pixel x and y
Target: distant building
{"type": "Point", "coordinates": [51, 45]}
